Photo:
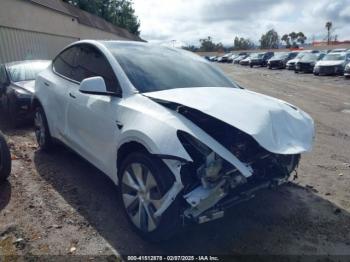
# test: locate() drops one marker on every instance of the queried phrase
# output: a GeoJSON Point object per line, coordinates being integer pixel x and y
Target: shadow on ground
{"type": "Point", "coordinates": [289, 220]}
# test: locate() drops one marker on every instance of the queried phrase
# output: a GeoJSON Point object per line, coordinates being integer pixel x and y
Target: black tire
{"type": "Point", "coordinates": [251, 66]}
{"type": "Point", "coordinates": [10, 112]}
{"type": "Point", "coordinates": [169, 222]}
{"type": "Point", "coordinates": [5, 159]}
{"type": "Point", "coordinates": [42, 132]}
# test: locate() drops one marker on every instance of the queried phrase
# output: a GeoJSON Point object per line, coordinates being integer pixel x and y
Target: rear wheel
{"type": "Point", "coordinates": [144, 180]}
{"type": "Point", "coordinates": [42, 132]}
{"type": "Point", "coordinates": [5, 159]}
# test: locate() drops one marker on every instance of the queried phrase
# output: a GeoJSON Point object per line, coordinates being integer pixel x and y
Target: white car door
{"type": "Point", "coordinates": [58, 81]}
{"type": "Point", "coordinates": [92, 119]}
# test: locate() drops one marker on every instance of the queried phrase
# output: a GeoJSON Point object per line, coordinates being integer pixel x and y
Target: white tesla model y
{"type": "Point", "coordinates": [182, 140]}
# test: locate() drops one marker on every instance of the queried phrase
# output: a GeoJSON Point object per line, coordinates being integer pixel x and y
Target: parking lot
{"type": "Point", "coordinates": [58, 204]}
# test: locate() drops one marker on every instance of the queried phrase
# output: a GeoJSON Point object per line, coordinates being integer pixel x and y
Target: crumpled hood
{"type": "Point", "coordinates": [27, 85]}
{"type": "Point", "coordinates": [330, 63]}
{"type": "Point", "coordinates": [276, 125]}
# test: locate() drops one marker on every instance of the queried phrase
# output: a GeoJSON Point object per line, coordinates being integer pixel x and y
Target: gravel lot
{"type": "Point", "coordinates": [58, 204]}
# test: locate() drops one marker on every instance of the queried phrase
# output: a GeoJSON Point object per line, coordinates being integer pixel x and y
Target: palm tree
{"type": "Point", "coordinates": [329, 26]}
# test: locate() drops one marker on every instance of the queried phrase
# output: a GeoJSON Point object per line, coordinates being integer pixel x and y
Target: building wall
{"type": "Point", "coordinates": [17, 44]}
{"type": "Point", "coordinates": [31, 31]}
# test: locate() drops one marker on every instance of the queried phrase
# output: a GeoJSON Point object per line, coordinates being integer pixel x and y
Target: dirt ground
{"type": "Point", "coordinates": [58, 204]}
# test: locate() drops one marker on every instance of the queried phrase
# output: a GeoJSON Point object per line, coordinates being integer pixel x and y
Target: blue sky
{"type": "Point", "coordinates": [186, 21]}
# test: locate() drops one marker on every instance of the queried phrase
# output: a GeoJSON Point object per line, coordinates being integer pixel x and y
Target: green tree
{"type": "Point", "coordinates": [293, 37]}
{"type": "Point", "coordinates": [242, 44]}
{"type": "Point", "coordinates": [270, 40]}
{"type": "Point", "coordinates": [285, 38]}
{"type": "Point", "coordinates": [207, 44]}
{"type": "Point", "coordinates": [118, 12]}
{"type": "Point", "coordinates": [301, 38]}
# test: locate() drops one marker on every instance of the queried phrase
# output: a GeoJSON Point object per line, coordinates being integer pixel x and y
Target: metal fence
{"type": "Point", "coordinates": [16, 44]}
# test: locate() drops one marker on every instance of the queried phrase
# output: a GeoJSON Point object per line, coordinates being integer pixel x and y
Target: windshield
{"type": "Point", "coordinates": [300, 55]}
{"type": "Point", "coordinates": [155, 68]}
{"type": "Point", "coordinates": [334, 57]}
{"type": "Point", "coordinates": [308, 57]}
{"type": "Point", "coordinates": [26, 71]}
{"type": "Point", "coordinates": [280, 55]}
{"type": "Point", "coordinates": [256, 56]}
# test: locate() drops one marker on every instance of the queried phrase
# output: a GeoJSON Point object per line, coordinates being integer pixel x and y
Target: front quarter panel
{"type": "Point", "coordinates": [155, 127]}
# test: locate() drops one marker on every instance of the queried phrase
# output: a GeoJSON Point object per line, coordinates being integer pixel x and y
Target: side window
{"type": "Point", "coordinates": [64, 62]}
{"type": "Point", "coordinates": [91, 62]}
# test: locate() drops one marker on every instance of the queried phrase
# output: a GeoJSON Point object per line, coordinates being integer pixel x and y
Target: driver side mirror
{"type": "Point", "coordinates": [94, 86]}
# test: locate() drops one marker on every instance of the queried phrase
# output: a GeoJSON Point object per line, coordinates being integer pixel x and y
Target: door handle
{"type": "Point", "coordinates": [72, 96]}
{"type": "Point", "coordinates": [46, 83]}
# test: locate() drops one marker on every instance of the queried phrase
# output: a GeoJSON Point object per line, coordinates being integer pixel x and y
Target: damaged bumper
{"type": "Point", "coordinates": [210, 204]}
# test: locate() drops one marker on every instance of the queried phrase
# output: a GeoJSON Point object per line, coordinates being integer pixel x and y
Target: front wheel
{"type": "Point", "coordinates": [144, 180]}
{"type": "Point", "coordinates": [5, 159]}
{"type": "Point", "coordinates": [42, 132]}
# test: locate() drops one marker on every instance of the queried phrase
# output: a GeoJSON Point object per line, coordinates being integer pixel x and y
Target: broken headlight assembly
{"type": "Point", "coordinates": [208, 166]}
{"type": "Point", "coordinates": [206, 163]}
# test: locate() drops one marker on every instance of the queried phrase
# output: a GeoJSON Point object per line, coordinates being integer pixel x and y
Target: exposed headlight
{"type": "Point", "coordinates": [22, 94]}
{"type": "Point", "coordinates": [208, 163]}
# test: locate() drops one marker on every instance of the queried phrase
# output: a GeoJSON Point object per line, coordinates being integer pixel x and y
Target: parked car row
{"type": "Point", "coordinates": [328, 62]}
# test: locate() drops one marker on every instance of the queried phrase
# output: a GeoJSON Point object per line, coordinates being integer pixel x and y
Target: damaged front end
{"type": "Point", "coordinates": [211, 184]}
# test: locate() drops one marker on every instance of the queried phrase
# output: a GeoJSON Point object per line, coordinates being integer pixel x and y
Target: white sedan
{"type": "Point", "coordinates": [183, 141]}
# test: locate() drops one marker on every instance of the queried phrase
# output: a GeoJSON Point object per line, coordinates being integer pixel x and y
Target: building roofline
{"type": "Point", "coordinates": [85, 18]}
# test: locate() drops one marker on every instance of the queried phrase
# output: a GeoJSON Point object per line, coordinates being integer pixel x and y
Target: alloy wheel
{"type": "Point", "coordinates": [39, 129]}
{"type": "Point", "coordinates": [141, 197]}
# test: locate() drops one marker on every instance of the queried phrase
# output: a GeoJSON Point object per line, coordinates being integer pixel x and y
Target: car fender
{"type": "Point", "coordinates": [156, 127]}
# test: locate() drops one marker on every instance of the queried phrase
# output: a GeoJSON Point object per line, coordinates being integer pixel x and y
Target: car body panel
{"type": "Point", "coordinates": [331, 67]}
{"type": "Point", "coordinates": [277, 126]}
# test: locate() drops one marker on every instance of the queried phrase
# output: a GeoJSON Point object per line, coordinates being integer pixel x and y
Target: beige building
{"type": "Point", "coordinates": [39, 29]}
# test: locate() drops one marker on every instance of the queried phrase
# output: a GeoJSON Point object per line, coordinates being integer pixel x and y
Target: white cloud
{"type": "Point", "coordinates": [188, 21]}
